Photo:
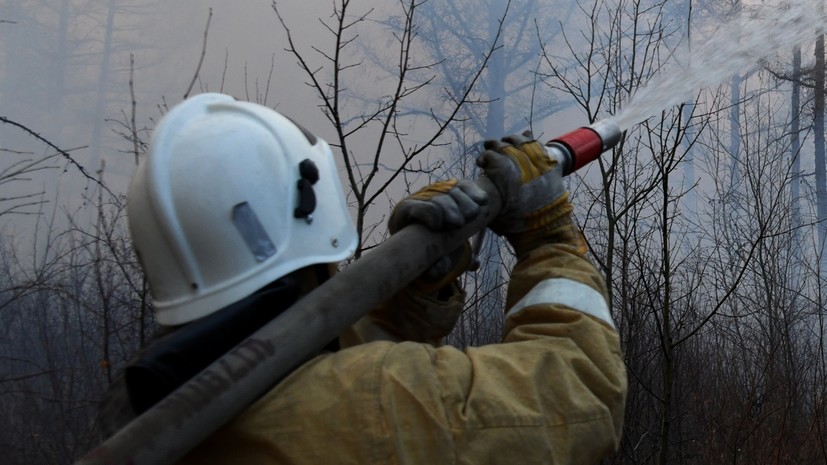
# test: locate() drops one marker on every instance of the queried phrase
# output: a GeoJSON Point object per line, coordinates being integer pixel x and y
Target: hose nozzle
{"type": "Point", "coordinates": [573, 151]}
{"type": "Point", "coordinates": [582, 146]}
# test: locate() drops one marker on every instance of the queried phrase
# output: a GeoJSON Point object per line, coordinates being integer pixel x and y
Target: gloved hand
{"type": "Point", "coordinates": [427, 309]}
{"type": "Point", "coordinates": [536, 208]}
{"type": "Point", "coordinates": [410, 315]}
{"type": "Point", "coordinates": [441, 206]}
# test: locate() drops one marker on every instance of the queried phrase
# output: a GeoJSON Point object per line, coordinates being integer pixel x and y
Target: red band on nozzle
{"type": "Point", "coordinates": [584, 144]}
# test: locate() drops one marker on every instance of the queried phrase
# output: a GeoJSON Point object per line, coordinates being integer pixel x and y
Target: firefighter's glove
{"type": "Point", "coordinates": [536, 208]}
{"type": "Point", "coordinates": [410, 315]}
{"type": "Point", "coordinates": [442, 206]}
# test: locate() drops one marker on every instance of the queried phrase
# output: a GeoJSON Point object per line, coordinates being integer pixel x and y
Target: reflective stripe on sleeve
{"type": "Point", "coordinates": [572, 294]}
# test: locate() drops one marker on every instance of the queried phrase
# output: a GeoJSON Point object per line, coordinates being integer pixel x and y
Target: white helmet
{"type": "Point", "coordinates": [225, 203]}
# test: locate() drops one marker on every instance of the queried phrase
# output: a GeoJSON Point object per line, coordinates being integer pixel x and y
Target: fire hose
{"type": "Point", "coordinates": [180, 421]}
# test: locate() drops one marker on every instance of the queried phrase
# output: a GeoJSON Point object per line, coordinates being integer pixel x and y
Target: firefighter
{"type": "Point", "coordinates": [238, 211]}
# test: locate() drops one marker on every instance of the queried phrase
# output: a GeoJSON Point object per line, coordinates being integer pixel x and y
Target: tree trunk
{"type": "Point", "coordinates": [691, 198]}
{"type": "Point", "coordinates": [58, 89]}
{"type": "Point", "coordinates": [668, 363]}
{"type": "Point", "coordinates": [735, 130]}
{"type": "Point", "coordinates": [491, 269]}
{"type": "Point", "coordinates": [103, 84]}
{"type": "Point", "coordinates": [795, 182]}
{"type": "Point", "coordinates": [818, 135]}
{"type": "Point", "coordinates": [495, 118]}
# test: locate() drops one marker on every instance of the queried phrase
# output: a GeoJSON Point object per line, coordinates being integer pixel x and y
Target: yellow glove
{"type": "Point", "coordinates": [427, 309]}
{"type": "Point", "coordinates": [441, 206]}
{"type": "Point", "coordinates": [409, 315]}
{"type": "Point", "coordinates": [536, 208]}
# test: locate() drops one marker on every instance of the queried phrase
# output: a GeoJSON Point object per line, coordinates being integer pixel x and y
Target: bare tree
{"type": "Point", "coordinates": [389, 150]}
{"type": "Point", "coordinates": [71, 316]}
{"type": "Point", "coordinates": [680, 285]}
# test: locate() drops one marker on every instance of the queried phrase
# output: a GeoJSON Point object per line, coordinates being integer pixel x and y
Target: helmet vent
{"type": "Point", "coordinates": [307, 197]}
{"type": "Point", "coordinates": [253, 233]}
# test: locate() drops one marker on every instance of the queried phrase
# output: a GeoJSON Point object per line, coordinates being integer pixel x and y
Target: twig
{"type": "Point", "coordinates": [200, 60]}
{"type": "Point", "coordinates": [224, 72]}
{"type": "Point", "coordinates": [13, 210]}
{"type": "Point", "coordinates": [269, 78]}
{"type": "Point", "coordinates": [15, 152]}
{"type": "Point", "coordinates": [12, 172]}
{"type": "Point", "coordinates": [64, 153]}
{"type": "Point", "coordinates": [25, 377]}
{"type": "Point", "coordinates": [132, 126]}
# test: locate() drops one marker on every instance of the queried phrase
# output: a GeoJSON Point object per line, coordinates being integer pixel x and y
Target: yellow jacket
{"type": "Point", "coordinates": [552, 392]}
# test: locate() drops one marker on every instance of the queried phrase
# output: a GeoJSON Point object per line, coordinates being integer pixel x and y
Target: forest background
{"type": "Point", "coordinates": [708, 219]}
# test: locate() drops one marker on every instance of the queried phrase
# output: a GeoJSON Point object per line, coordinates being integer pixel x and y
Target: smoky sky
{"type": "Point", "coordinates": [73, 68]}
{"type": "Point", "coordinates": [61, 79]}
{"type": "Point", "coordinates": [66, 68]}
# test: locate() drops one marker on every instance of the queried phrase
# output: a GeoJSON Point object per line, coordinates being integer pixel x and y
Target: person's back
{"type": "Point", "coordinates": [552, 391]}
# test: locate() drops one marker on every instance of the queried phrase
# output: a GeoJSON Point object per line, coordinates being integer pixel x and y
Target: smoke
{"type": "Point", "coordinates": [89, 75]}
